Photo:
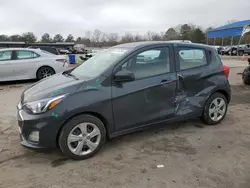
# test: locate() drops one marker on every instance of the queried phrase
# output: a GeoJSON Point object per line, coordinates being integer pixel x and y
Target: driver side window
{"type": "Point", "coordinates": [5, 55]}
{"type": "Point", "coordinates": [149, 63]}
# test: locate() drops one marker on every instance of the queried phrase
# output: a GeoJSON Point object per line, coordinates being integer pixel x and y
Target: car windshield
{"type": "Point", "coordinates": [97, 64]}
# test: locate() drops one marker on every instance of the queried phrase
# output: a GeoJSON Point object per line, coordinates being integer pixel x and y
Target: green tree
{"type": "Point", "coordinates": [69, 38]}
{"type": "Point", "coordinates": [46, 38]}
{"type": "Point", "coordinates": [171, 34]}
{"type": "Point", "coordinates": [58, 38]}
{"type": "Point", "coordinates": [197, 35]}
{"type": "Point", "coordinates": [16, 38]}
{"type": "Point", "coordinates": [4, 38]}
{"type": "Point", "coordinates": [185, 31]}
{"type": "Point", "coordinates": [29, 37]}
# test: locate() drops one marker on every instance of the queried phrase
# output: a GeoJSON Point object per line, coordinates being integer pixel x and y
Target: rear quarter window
{"type": "Point", "coordinates": [191, 57]}
{"type": "Point", "coordinates": [214, 56]}
{"type": "Point", "coordinates": [23, 54]}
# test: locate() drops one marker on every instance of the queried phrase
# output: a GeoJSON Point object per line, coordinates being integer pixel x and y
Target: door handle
{"type": "Point", "coordinates": [164, 80]}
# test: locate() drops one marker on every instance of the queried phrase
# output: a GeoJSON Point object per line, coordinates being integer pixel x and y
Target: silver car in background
{"type": "Point", "coordinates": [24, 63]}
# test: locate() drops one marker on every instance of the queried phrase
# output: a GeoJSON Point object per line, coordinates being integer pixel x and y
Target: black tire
{"type": "Point", "coordinates": [240, 53]}
{"type": "Point", "coordinates": [70, 125]}
{"type": "Point", "coordinates": [206, 117]}
{"type": "Point", "coordinates": [44, 72]}
{"type": "Point", "coordinates": [246, 76]}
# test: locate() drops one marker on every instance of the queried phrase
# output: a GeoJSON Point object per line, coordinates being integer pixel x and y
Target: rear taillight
{"type": "Point", "coordinates": [225, 70]}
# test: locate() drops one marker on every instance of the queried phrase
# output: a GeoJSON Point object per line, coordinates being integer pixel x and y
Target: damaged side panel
{"type": "Point", "coordinates": [193, 92]}
{"type": "Point", "coordinates": [195, 85]}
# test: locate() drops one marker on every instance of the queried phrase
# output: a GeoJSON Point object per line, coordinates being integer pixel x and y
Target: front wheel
{"type": "Point", "coordinates": [82, 137]}
{"type": "Point", "coordinates": [215, 109]}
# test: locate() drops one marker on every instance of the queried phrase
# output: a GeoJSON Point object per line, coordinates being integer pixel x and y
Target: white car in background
{"type": "Point", "coordinates": [24, 63]}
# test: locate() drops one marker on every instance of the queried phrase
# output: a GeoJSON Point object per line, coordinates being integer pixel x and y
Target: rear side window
{"type": "Point", "coordinates": [214, 57]}
{"type": "Point", "coordinates": [6, 55]}
{"type": "Point", "coordinates": [23, 54]}
{"type": "Point", "coordinates": [191, 57]}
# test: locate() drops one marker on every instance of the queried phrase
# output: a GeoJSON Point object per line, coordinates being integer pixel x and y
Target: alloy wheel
{"type": "Point", "coordinates": [84, 138]}
{"type": "Point", "coordinates": [217, 109]}
{"type": "Point", "coordinates": [46, 72]}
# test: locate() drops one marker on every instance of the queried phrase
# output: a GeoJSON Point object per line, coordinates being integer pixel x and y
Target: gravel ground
{"type": "Point", "coordinates": [193, 154]}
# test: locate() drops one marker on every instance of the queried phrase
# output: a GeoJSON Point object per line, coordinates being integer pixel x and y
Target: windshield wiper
{"type": "Point", "coordinates": [70, 75]}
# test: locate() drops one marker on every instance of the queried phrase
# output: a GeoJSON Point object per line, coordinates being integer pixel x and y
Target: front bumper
{"type": "Point", "coordinates": [47, 126]}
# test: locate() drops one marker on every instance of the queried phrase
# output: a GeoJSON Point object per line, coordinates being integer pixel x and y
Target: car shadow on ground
{"type": "Point", "coordinates": [55, 158]}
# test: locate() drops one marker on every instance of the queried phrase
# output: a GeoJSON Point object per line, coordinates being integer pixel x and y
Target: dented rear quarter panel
{"type": "Point", "coordinates": [196, 85]}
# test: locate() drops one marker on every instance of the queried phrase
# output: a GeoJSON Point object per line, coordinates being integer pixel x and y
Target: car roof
{"type": "Point", "coordinates": [11, 49]}
{"type": "Point", "coordinates": [135, 45]}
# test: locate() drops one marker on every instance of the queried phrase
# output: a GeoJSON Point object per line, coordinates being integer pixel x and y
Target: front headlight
{"type": "Point", "coordinates": [43, 105]}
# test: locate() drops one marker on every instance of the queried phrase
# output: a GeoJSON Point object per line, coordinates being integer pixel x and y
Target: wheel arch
{"type": "Point", "coordinates": [95, 114]}
{"type": "Point", "coordinates": [223, 92]}
{"type": "Point", "coordinates": [42, 66]}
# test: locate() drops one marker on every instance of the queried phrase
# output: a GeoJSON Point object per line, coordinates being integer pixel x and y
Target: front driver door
{"type": "Point", "coordinates": [151, 96]}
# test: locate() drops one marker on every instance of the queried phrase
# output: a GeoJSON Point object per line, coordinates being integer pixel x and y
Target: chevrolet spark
{"type": "Point", "coordinates": [123, 89]}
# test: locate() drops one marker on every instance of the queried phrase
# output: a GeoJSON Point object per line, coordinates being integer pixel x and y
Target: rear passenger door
{"type": "Point", "coordinates": [192, 73]}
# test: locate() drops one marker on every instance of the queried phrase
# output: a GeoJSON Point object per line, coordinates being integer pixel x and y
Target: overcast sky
{"type": "Point", "coordinates": [136, 16]}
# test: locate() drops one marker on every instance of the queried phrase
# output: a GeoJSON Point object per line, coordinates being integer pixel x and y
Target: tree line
{"type": "Point", "coordinates": [97, 38]}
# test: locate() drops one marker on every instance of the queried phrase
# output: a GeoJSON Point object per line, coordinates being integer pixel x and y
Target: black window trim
{"type": "Point", "coordinates": [16, 58]}
{"type": "Point", "coordinates": [176, 49]}
{"type": "Point", "coordinates": [140, 50]}
{"type": "Point", "coordinates": [11, 57]}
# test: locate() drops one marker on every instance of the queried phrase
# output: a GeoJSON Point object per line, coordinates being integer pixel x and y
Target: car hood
{"type": "Point", "coordinates": [58, 84]}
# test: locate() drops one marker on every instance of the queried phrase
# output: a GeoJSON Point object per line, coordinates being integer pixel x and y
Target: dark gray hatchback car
{"type": "Point", "coordinates": [120, 90]}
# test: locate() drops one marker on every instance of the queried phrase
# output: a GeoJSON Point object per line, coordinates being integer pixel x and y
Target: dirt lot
{"type": "Point", "coordinates": [193, 154]}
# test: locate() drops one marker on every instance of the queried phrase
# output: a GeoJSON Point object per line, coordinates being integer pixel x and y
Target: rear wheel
{"type": "Point", "coordinates": [246, 76]}
{"type": "Point", "coordinates": [82, 137]}
{"type": "Point", "coordinates": [44, 72]}
{"type": "Point", "coordinates": [215, 109]}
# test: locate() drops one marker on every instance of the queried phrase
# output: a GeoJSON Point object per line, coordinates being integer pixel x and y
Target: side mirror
{"type": "Point", "coordinates": [124, 76]}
